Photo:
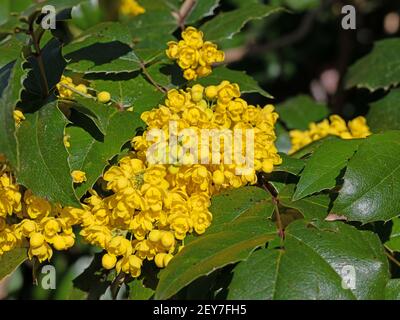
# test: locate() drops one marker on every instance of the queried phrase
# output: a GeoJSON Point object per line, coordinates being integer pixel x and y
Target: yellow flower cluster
{"type": "Point", "coordinates": [154, 206]}
{"type": "Point", "coordinates": [66, 89]}
{"type": "Point", "coordinates": [131, 8]}
{"type": "Point", "coordinates": [335, 126]}
{"type": "Point", "coordinates": [194, 55]}
{"type": "Point", "coordinates": [30, 221]}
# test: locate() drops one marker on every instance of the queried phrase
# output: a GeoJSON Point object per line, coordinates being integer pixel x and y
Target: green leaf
{"type": "Point", "coordinates": [11, 260]}
{"type": "Point", "coordinates": [90, 153]}
{"type": "Point", "coordinates": [202, 9]}
{"type": "Point", "coordinates": [12, 86]}
{"type": "Point", "coordinates": [324, 167]}
{"type": "Point", "coordinates": [232, 205]}
{"type": "Point", "coordinates": [138, 291]}
{"type": "Point", "coordinates": [291, 165]}
{"type": "Point", "coordinates": [384, 114]}
{"type": "Point", "coordinates": [10, 49]}
{"type": "Point", "coordinates": [282, 142]}
{"type": "Point", "coordinates": [227, 24]}
{"type": "Point", "coordinates": [246, 83]}
{"type": "Point", "coordinates": [393, 290]}
{"type": "Point", "coordinates": [314, 207]}
{"type": "Point", "coordinates": [310, 148]}
{"type": "Point", "coordinates": [372, 180]}
{"type": "Point", "coordinates": [210, 252]}
{"type": "Point", "coordinates": [43, 159]}
{"type": "Point", "coordinates": [312, 265]}
{"type": "Point", "coordinates": [104, 48]}
{"type": "Point", "coordinates": [301, 5]}
{"type": "Point", "coordinates": [394, 241]}
{"type": "Point", "coordinates": [99, 113]}
{"type": "Point", "coordinates": [152, 30]}
{"type": "Point", "coordinates": [386, 67]}
{"type": "Point", "coordinates": [87, 14]}
{"type": "Point", "coordinates": [131, 91]}
{"type": "Point", "coordinates": [300, 111]}
{"type": "Point", "coordinates": [54, 65]}
{"type": "Point", "coordinates": [93, 282]}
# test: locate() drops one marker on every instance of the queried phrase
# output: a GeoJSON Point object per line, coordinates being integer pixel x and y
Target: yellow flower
{"type": "Point", "coordinates": [193, 55]}
{"type": "Point", "coordinates": [104, 97]}
{"type": "Point", "coordinates": [193, 37]}
{"type": "Point", "coordinates": [335, 126]}
{"type": "Point", "coordinates": [78, 176]}
{"type": "Point", "coordinates": [18, 117]}
{"type": "Point", "coordinates": [131, 8]}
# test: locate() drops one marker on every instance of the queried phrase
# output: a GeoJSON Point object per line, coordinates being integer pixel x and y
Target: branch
{"type": "Point", "coordinates": [268, 187]}
{"type": "Point", "coordinates": [183, 12]}
{"type": "Point", "coordinates": [305, 26]}
{"type": "Point", "coordinates": [38, 55]}
{"type": "Point", "coordinates": [150, 78]}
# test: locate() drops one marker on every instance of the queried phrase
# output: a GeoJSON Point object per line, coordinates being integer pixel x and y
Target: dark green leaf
{"type": "Point", "coordinates": [300, 111]}
{"type": "Point", "coordinates": [136, 92]}
{"type": "Point", "coordinates": [372, 180]}
{"type": "Point", "coordinates": [393, 290]}
{"type": "Point", "coordinates": [227, 24]}
{"type": "Point", "coordinates": [210, 252]}
{"type": "Point", "coordinates": [290, 165]}
{"type": "Point", "coordinates": [324, 166]}
{"type": "Point", "coordinates": [313, 264]}
{"type": "Point", "coordinates": [10, 50]}
{"type": "Point", "coordinates": [246, 83]}
{"type": "Point", "coordinates": [202, 9]}
{"type": "Point", "coordinates": [231, 205]}
{"type": "Point", "coordinates": [312, 207]}
{"type": "Point", "coordinates": [54, 65]}
{"type": "Point", "coordinates": [91, 154]}
{"type": "Point", "coordinates": [394, 241]}
{"type": "Point", "coordinates": [43, 159]}
{"type": "Point", "coordinates": [11, 260]}
{"type": "Point", "coordinates": [104, 48]}
{"type": "Point", "coordinates": [385, 71]}
{"type": "Point", "coordinates": [137, 290]}
{"type": "Point", "coordinates": [384, 114]}
{"type": "Point", "coordinates": [93, 282]}
{"type": "Point", "coordinates": [10, 96]}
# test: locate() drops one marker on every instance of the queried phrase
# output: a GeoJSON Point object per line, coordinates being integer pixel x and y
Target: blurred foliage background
{"type": "Point", "coordinates": [303, 51]}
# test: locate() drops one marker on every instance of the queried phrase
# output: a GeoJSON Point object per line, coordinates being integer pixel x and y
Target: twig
{"type": "Point", "coordinates": [149, 77]}
{"type": "Point", "coordinates": [116, 285]}
{"type": "Point", "coordinates": [184, 11]}
{"type": "Point", "coordinates": [268, 187]}
{"type": "Point", "coordinates": [297, 35]}
{"type": "Point", "coordinates": [39, 58]}
{"type": "Point", "coordinates": [391, 258]}
{"type": "Point", "coordinates": [76, 91]}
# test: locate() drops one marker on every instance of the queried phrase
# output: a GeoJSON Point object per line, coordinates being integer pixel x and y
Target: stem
{"type": "Point", "coordinates": [184, 11]}
{"type": "Point", "coordinates": [76, 91]}
{"type": "Point", "coordinates": [116, 285]}
{"type": "Point", "coordinates": [38, 55]}
{"type": "Point", "coordinates": [391, 258]}
{"type": "Point", "coordinates": [268, 187]}
{"type": "Point", "coordinates": [281, 231]}
{"type": "Point", "coordinates": [35, 268]}
{"type": "Point", "coordinates": [149, 77]}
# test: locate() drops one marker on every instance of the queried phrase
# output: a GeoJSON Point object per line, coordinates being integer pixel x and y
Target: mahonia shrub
{"type": "Point", "coordinates": [126, 138]}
